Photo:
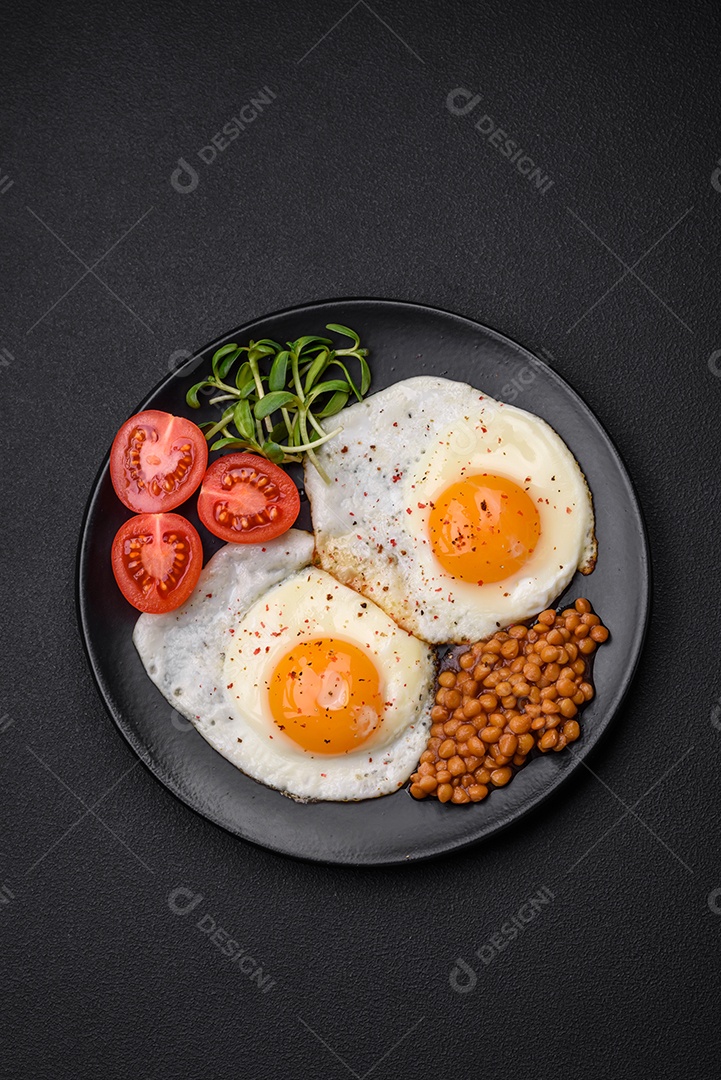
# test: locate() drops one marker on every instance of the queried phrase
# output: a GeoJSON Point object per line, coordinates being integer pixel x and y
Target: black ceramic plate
{"type": "Point", "coordinates": [405, 340]}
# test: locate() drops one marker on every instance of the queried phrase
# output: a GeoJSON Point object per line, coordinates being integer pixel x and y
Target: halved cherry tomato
{"type": "Point", "coordinates": [157, 559]}
{"type": "Point", "coordinates": [246, 499]}
{"type": "Point", "coordinates": [157, 461]}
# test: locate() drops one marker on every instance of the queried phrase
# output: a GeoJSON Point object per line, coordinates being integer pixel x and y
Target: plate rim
{"type": "Point", "coordinates": [442, 848]}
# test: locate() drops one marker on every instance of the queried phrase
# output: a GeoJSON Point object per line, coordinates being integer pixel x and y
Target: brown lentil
{"type": "Point", "coordinates": [499, 700]}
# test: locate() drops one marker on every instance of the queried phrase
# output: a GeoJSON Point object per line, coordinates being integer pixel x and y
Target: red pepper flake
{"type": "Point", "coordinates": [569, 510]}
{"type": "Point", "coordinates": [393, 543]}
{"type": "Point", "coordinates": [229, 686]}
{"type": "Point", "coordinates": [422, 506]}
{"type": "Point", "coordinates": [408, 510]}
{"type": "Point", "coordinates": [395, 423]}
{"type": "Point", "coordinates": [397, 477]}
{"type": "Point", "coordinates": [256, 651]}
{"type": "Point", "coordinates": [344, 450]}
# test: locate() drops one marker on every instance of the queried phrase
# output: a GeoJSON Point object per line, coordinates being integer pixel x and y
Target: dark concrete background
{"type": "Point", "coordinates": [356, 179]}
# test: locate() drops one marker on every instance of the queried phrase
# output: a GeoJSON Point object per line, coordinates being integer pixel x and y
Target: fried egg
{"type": "Point", "coordinates": [302, 683]}
{"type": "Point", "coordinates": [455, 513]}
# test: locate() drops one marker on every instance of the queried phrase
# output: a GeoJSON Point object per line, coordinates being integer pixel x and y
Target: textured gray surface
{"type": "Point", "coordinates": [357, 180]}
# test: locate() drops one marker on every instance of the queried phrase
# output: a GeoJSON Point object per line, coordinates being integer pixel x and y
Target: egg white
{"type": "Point", "coordinates": [212, 659]}
{"type": "Point", "coordinates": [401, 448]}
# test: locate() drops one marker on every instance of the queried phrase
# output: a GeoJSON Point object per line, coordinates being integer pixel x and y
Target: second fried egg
{"type": "Point", "coordinates": [455, 513]}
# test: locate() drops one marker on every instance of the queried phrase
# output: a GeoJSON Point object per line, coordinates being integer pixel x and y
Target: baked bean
{"type": "Point", "coordinates": [548, 740]}
{"type": "Point", "coordinates": [520, 724]}
{"type": "Point", "coordinates": [571, 730]}
{"type": "Point", "coordinates": [518, 690]}
{"type": "Point", "coordinates": [475, 745]}
{"type": "Point", "coordinates": [532, 673]}
{"type": "Point", "coordinates": [568, 708]}
{"type": "Point", "coordinates": [507, 744]}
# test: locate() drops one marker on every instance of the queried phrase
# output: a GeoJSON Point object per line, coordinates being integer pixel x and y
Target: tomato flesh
{"type": "Point", "coordinates": [157, 461]}
{"type": "Point", "coordinates": [157, 559]}
{"type": "Point", "coordinates": [246, 499]}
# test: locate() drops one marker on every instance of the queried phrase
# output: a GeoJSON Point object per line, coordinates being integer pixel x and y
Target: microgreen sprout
{"type": "Point", "coordinates": [274, 402]}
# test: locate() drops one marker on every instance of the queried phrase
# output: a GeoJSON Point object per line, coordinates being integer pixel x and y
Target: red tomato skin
{"type": "Point", "coordinates": [285, 506]}
{"type": "Point", "coordinates": [194, 462]}
{"type": "Point", "coordinates": [157, 525]}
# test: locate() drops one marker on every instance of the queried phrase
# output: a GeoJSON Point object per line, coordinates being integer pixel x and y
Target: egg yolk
{"type": "Point", "coordinates": [325, 695]}
{"type": "Point", "coordinates": [483, 528]}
